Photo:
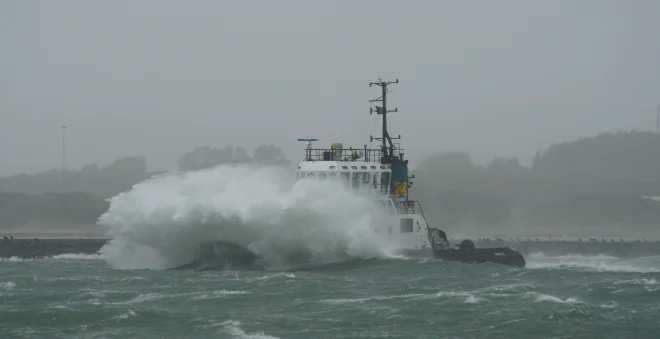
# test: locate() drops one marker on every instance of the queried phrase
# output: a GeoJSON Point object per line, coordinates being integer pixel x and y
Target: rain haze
{"type": "Point", "coordinates": [509, 111]}
{"type": "Point", "coordinates": [158, 78]}
{"type": "Point", "coordinates": [153, 184]}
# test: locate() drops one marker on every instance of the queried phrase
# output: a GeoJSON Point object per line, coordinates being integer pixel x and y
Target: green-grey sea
{"type": "Point", "coordinates": [75, 296]}
{"type": "Point", "coordinates": [353, 286]}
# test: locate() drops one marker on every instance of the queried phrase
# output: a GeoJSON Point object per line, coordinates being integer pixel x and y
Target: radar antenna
{"type": "Point", "coordinates": [308, 150]}
{"type": "Point", "coordinates": [388, 154]}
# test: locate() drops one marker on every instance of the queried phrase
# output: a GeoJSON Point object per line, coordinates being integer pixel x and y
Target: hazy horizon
{"type": "Point", "coordinates": [158, 78]}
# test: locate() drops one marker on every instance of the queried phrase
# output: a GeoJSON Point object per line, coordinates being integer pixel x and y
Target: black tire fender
{"type": "Point", "coordinates": [466, 245]}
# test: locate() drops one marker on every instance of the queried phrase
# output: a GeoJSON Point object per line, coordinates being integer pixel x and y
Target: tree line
{"type": "Point", "coordinates": [588, 182]}
{"type": "Point", "coordinates": [80, 195]}
{"type": "Point", "coordinates": [207, 156]}
{"type": "Point", "coordinates": [122, 174]}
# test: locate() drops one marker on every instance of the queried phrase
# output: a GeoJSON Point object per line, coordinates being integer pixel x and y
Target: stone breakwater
{"type": "Point", "coordinates": [36, 248]}
{"type": "Point", "coordinates": [45, 248]}
{"type": "Point", "coordinates": [616, 248]}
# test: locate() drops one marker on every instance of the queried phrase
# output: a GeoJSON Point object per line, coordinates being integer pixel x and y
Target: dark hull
{"type": "Point", "coordinates": [498, 255]}
{"type": "Point", "coordinates": [220, 255]}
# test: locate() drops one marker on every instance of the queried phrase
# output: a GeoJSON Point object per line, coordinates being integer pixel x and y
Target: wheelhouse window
{"type": "Point", "coordinates": [375, 182]}
{"type": "Point", "coordinates": [384, 182]}
{"type": "Point", "coordinates": [322, 176]}
{"type": "Point", "coordinates": [332, 176]}
{"type": "Point", "coordinates": [406, 225]}
{"type": "Point", "coordinates": [355, 182]}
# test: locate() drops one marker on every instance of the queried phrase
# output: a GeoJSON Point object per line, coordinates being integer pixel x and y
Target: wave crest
{"type": "Point", "coordinates": [159, 222]}
{"type": "Point", "coordinates": [598, 263]}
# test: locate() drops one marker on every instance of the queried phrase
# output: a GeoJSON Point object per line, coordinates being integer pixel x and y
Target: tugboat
{"type": "Point", "coordinates": [381, 174]}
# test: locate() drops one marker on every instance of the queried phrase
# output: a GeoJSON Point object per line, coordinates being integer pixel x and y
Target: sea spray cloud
{"type": "Point", "coordinates": [159, 222]}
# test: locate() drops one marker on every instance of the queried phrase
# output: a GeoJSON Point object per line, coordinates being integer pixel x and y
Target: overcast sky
{"type": "Point", "coordinates": [157, 78]}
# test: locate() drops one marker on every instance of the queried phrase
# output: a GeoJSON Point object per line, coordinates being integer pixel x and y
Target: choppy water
{"type": "Point", "coordinates": [555, 297]}
{"type": "Point", "coordinates": [126, 294]}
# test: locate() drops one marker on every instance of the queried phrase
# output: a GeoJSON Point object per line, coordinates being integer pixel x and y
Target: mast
{"type": "Point", "coordinates": [385, 138]}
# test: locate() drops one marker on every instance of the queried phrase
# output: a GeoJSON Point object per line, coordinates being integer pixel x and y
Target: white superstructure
{"type": "Point", "coordinates": [378, 174]}
{"type": "Point", "coordinates": [406, 225]}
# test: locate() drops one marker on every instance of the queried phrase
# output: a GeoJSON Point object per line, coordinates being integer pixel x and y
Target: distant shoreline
{"type": "Point", "coordinates": [41, 248]}
{"type": "Point", "coordinates": [56, 236]}
{"type": "Point", "coordinates": [36, 248]}
{"type": "Point", "coordinates": [456, 236]}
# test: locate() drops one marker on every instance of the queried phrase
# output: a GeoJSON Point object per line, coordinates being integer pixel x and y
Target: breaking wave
{"type": "Point", "coordinates": [597, 263]}
{"type": "Point", "coordinates": [160, 221]}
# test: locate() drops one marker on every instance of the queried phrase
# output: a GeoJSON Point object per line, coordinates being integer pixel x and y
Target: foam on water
{"type": "Point", "coordinates": [233, 328]}
{"type": "Point", "coordinates": [69, 256]}
{"type": "Point", "coordinates": [160, 221]}
{"type": "Point", "coordinates": [600, 263]}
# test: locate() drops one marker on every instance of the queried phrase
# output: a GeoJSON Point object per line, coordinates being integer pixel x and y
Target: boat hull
{"type": "Point", "coordinates": [220, 255]}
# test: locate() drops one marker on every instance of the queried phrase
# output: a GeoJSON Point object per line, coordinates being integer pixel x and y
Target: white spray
{"type": "Point", "coordinates": [159, 222]}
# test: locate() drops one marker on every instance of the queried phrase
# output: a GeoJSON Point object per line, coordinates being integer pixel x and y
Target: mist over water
{"type": "Point", "coordinates": [159, 222]}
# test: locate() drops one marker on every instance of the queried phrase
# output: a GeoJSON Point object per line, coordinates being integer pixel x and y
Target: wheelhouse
{"type": "Point", "coordinates": [362, 171]}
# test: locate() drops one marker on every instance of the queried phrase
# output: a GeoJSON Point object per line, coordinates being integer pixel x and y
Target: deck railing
{"type": "Point", "coordinates": [407, 207]}
{"type": "Point", "coordinates": [349, 154]}
{"type": "Point", "coordinates": [412, 207]}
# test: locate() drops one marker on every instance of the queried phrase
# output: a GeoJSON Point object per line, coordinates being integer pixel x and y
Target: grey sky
{"type": "Point", "coordinates": [157, 78]}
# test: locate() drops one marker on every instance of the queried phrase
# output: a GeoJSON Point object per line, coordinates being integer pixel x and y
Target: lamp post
{"type": "Point", "coordinates": [63, 154]}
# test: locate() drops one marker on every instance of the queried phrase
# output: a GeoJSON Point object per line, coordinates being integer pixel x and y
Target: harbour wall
{"type": "Point", "coordinates": [617, 248]}
{"type": "Point", "coordinates": [36, 248]}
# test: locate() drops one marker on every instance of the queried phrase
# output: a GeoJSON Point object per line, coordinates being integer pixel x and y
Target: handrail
{"type": "Point", "coordinates": [345, 154]}
{"type": "Point", "coordinates": [422, 211]}
{"type": "Point", "coordinates": [428, 228]}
